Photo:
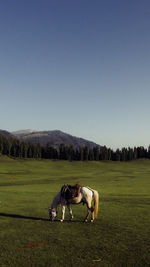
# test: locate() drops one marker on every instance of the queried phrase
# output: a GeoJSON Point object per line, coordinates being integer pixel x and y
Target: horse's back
{"type": "Point", "coordinates": [69, 191]}
{"type": "Point", "coordinates": [87, 192]}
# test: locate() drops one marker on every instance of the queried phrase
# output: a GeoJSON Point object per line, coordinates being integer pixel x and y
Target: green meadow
{"type": "Point", "coordinates": [120, 236]}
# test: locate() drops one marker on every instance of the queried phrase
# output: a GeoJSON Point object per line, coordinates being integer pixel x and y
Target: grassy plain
{"type": "Point", "coordinates": [119, 237]}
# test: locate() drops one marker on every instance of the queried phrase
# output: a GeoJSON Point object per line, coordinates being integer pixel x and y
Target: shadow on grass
{"type": "Point", "coordinates": [22, 217]}
{"type": "Point", "coordinates": [17, 216]}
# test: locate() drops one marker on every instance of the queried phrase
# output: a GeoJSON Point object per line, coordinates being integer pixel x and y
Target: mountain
{"type": "Point", "coordinates": [23, 132]}
{"type": "Point", "coordinates": [6, 133]}
{"type": "Point", "coordinates": [54, 138]}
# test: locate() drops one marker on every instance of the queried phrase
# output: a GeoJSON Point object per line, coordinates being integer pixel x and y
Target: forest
{"type": "Point", "coordinates": [19, 149]}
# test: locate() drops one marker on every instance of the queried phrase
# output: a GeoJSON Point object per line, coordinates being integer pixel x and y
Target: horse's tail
{"type": "Point", "coordinates": [96, 202]}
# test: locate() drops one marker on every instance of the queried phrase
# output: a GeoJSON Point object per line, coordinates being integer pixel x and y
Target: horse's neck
{"type": "Point", "coordinates": [56, 201]}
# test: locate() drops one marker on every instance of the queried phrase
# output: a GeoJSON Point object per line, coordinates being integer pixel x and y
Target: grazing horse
{"type": "Point", "coordinates": [74, 195]}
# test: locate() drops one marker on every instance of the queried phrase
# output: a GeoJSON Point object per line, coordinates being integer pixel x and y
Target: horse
{"type": "Point", "coordinates": [74, 195]}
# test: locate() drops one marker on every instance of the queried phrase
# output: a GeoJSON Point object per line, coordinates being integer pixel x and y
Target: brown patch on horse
{"type": "Point", "coordinates": [69, 191]}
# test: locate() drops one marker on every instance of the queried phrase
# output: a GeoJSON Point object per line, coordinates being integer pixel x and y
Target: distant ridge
{"type": "Point", "coordinates": [54, 138]}
{"type": "Point", "coordinates": [23, 132]}
{"type": "Point", "coordinates": [6, 133]}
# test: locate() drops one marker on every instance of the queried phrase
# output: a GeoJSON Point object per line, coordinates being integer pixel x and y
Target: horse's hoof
{"type": "Point", "coordinates": [61, 220]}
{"type": "Point", "coordinates": [92, 220]}
{"type": "Point", "coordinates": [85, 220]}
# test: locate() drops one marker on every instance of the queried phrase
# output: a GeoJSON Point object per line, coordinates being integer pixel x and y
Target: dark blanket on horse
{"type": "Point", "coordinates": [69, 192]}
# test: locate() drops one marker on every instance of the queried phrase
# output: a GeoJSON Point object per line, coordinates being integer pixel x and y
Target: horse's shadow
{"type": "Point", "coordinates": [17, 216]}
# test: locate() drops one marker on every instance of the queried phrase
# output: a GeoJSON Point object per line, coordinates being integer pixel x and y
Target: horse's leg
{"type": "Point", "coordinates": [89, 209]}
{"type": "Point", "coordinates": [92, 211]}
{"type": "Point", "coordinates": [63, 213]}
{"type": "Point", "coordinates": [86, 218]}
{"type": "Point", "coordinates": [70, 211]}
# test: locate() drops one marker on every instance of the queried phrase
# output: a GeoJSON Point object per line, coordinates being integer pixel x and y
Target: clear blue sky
{"type": "Point", "coordinates": [79, 66]}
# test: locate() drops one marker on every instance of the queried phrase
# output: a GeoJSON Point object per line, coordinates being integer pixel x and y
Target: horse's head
{"type": "Point", "coordinates": [52, 214]}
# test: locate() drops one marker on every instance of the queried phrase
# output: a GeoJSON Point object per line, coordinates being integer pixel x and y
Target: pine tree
{"type": "Point", "coordinates": [130, 153]}
{"type": "Point", "coordinates": [109, 154]}
{"type": "Point", "coordinates": [96, 153]}
{"type": "Point", "coordinates": [135, 153]}
{"type": "Point", "coordinates": [1, 144]}
{"type": "Point", "coordinates": [30, 153]}
{"type": "Point", "coordinates": [148, 152]}
{"type": "Point", "coordinates": [123, 154]}
{"type": "Point", "coordinates": [91, 154]}
{"type": "Point", "coordinates": [118, 155]}
{"type": "Point", "coordinates": [71, 153]}
{"type": "Point", "coordinates": [81, 155]}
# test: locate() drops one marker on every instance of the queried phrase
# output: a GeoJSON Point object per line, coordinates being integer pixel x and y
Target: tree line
{"type": "Point", "coordinates": [20, 149]}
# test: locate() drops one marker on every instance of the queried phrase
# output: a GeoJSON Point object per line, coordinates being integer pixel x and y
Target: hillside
{"type": "Point", "coordinates": [55, 138]}
{"type": "Point", "coordinates": [6, 133]}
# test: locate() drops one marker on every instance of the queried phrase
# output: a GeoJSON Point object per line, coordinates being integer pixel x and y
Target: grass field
{"type": "Point", "coordinates": [119, 237]}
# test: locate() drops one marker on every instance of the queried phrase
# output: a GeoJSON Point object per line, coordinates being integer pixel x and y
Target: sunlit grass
{"type": "Point", "coordinates": [119, 237]}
